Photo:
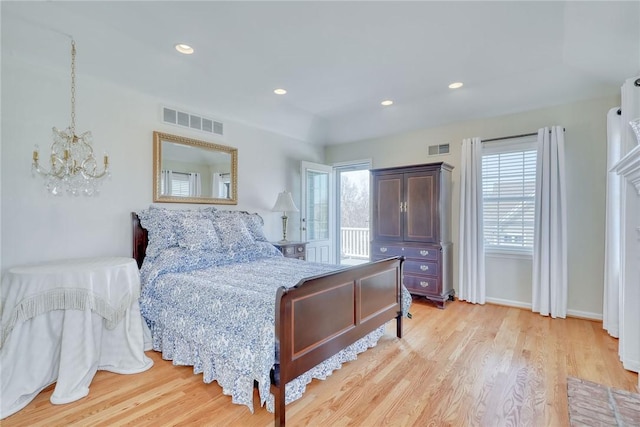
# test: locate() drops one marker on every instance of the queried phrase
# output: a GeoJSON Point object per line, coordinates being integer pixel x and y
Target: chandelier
{"type": "Point", "coordinates": [73, 166]}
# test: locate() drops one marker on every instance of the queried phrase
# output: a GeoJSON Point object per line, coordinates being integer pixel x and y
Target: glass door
{"type": "Point", "coordinates": [317, 214]}
{"type": "Point", "coordinates": [353, 210]}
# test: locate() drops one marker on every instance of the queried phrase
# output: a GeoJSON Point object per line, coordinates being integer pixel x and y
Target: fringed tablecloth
{"type": "Point", "coordinates": [61, 322]}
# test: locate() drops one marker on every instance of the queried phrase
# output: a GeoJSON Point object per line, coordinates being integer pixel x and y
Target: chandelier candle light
{"type": "Point", "coordinates": [284, 204]}
{"type": "Point", "coordinates": [73, 166]}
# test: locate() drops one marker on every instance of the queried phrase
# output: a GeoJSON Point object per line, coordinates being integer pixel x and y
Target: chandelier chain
{"type": "Point", "coordinates": [73, 87]}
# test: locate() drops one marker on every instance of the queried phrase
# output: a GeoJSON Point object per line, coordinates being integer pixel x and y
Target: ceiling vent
{"type": "Point", "coordinates": [192, 121]}
{"type": "Point", "coordinates": [437, 150]}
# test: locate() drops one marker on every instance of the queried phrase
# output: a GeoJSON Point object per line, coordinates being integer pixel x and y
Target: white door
{"type": "Point", "coordinates": [317, 212]}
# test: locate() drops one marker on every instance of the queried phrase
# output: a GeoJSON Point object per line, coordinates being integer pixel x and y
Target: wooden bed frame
{"type": "Point", "coordinates": [359, 299]}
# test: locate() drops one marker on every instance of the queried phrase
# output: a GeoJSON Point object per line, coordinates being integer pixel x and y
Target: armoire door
{"type": "Point", "coordinates": [387, 190]}
{"type": "Point", "coordinates": [421, 207]}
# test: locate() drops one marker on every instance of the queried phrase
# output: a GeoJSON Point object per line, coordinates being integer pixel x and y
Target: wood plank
{"type": "Point", "coordinates": [465, 365]}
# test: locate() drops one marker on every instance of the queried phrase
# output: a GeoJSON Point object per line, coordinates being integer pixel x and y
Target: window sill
{"type": "Point", "coordinates": [493, 253]}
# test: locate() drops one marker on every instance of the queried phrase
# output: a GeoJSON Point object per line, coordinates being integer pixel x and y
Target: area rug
{"type": "Point", "coordinates": [592, 404]}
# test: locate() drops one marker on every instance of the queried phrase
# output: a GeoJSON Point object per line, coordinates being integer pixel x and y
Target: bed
{"type": "Point", "coordinates": [218, 296]}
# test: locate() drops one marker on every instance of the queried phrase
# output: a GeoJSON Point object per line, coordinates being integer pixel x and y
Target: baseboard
{"type": "Point", "coordinates": [584, 315]}
{"type": "Point", "coordinates": [570, 313]}
{"type": "Point", "coordinates": [508, 303]}
{"type": "Point", "coordinates": [631, 365]}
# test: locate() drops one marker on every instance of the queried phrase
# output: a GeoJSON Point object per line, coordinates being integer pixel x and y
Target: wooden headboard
{"type": "Point", "coordinates": [140, 239]}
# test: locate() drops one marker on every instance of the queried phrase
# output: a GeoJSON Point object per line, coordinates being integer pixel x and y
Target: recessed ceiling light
{"type": "Point", "coordinates": [184, 48]}
{"type": "Point", "coordinates": [279, 91]}
{"type": "Point", "coordinates": [455, 85]}
{"type": "Point", "coordinates": [387, 102]}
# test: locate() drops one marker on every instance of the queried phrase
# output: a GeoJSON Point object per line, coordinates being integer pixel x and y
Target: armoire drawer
{"type": "Point", "coordinates": [426, 268]}
{"type": "Point", "coordinates": [418, 252]}
{"type": "Point", "coordinates": [386, 250]}
{"type": "Point", "coordinates": [421, 252]}
{"type": "Point", "coordinates": [421, 284]}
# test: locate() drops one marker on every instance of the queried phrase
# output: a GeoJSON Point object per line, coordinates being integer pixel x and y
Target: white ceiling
{"type": "Point", "coordinates": [339, 60]}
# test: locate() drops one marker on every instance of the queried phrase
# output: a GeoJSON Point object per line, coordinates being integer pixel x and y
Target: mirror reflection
{"type": "Point", "coordinates": [193, 171]}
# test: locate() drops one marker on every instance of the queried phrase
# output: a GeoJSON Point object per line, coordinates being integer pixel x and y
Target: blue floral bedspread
{"type": "Point", "coordinates": [216, 313]}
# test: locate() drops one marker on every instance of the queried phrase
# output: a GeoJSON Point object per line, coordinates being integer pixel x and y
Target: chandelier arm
{"type": "Point", "coordinates": [88, 174]}
{"type": "Point", "coordinates": [61, 171]}
{"type": "Point", "coordinates": [38, 168]}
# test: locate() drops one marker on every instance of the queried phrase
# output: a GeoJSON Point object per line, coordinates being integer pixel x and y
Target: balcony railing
{"type": "Point", "coordinates": [355, 243]}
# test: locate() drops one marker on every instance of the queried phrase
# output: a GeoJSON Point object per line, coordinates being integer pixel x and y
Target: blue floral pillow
{"type": "Point", "coordinates": [254, 223]}
{"type": "Point", "coordinates": [165, 227]}
{"type": "Point", "coordinates": [159, 224]}
{"type": "Point", "coordinates": [197, 233]}
{"type": "Point", "coordinates": [267, 249]}
{"type": "Point", "coordinates": [232, 232]}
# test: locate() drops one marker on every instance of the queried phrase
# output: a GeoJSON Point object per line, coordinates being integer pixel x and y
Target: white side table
{"type": "Point", "coordinates": [62, 321]}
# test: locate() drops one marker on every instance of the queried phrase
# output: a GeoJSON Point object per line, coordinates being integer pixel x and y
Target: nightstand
{"type": "Point", "coordinates": [292, 249]}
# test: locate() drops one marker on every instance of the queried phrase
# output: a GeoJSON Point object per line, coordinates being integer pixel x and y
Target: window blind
{"type": "Point", "coordinates": [508, 186]}
{"type": "Point", "coordinates": [180, 184]}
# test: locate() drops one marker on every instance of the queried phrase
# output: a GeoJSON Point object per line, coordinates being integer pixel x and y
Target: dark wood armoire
{"type": "Point", "coordinates": [411, 217]}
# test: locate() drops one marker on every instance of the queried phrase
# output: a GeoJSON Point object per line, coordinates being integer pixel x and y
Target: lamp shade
{"type": "Point", "coordinates": [285, 203]}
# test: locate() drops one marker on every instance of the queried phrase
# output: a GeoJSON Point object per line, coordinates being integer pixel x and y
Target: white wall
{"type": "Point", "coordinates": [509, 279]}
{"type": "Point", "coordinates": [39, 227]}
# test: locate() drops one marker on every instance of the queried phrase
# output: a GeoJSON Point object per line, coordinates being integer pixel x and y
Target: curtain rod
{"type": "Point", "coordinates": [513, 136]}
{"type": "Point", "coordinates": [509, 137]}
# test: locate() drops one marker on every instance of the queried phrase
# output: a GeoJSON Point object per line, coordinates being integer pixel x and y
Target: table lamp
{"type": "Point", "coordinates": [284, 204]}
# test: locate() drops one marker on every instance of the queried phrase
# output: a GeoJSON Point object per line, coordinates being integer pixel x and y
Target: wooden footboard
{"type": "Point", "coordinates": [324, 314]}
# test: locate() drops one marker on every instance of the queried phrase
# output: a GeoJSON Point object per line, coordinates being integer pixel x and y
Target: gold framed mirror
{"type": "Point", "coordinates": [187, 170]}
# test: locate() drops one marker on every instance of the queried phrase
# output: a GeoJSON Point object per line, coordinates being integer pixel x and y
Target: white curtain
{"type": "Point", "coordinates": [611, 306]}
{"type": "Point", "coordinates": [549, 287]}
{"type": "Point", "coordinates": [217, 184]}
{"type": "Point", "coordinates": [471, 277]}
{"type": "Point", "coordinates": [166, 176]}
{"type": "Point", "coordinates": [628, 330]}
{"type": "Point", "coordinates": [195, 184]}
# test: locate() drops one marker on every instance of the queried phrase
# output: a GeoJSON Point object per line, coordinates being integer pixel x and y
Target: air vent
{"type": "Point", "coordinates": [436, 150]}
{"type": "Point", "coordinates": [192, 121]}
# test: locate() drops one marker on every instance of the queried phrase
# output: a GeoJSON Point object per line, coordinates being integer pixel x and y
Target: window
{"type": "Point", "coordinates": [179, 185]}
{"type": "Point", "coordinates": [508, 188]}
{"type": "Point", "coordinates": [317, 205]}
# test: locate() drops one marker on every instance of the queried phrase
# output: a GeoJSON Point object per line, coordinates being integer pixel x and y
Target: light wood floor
{"type": "Point", "coordinates": [467, 365]}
